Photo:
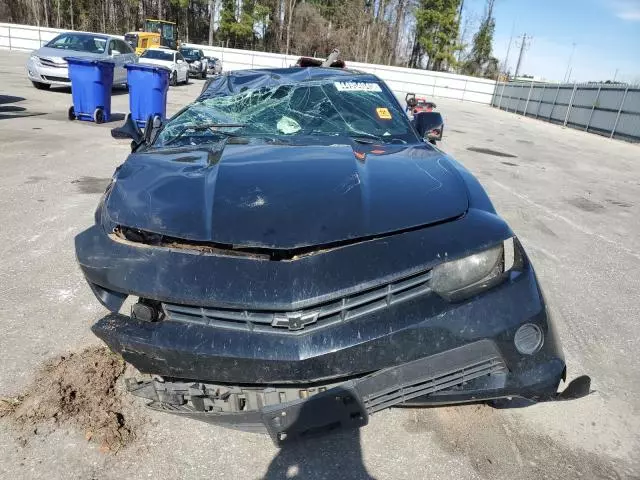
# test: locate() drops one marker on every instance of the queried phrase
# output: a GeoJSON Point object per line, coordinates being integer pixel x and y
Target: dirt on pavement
{"type": "Point", "coordinates": [80, 390]}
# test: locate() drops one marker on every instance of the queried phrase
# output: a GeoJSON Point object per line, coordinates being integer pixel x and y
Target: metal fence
{"type": "Point", "coordinates": [612, 110]}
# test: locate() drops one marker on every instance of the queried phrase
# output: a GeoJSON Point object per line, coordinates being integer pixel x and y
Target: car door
{"type": "Point", "coordinates": [117, 57]}
{"type": "Point", "coordinates": [129, 56]}
{"type": "Point", "coordinates": [183, 67]}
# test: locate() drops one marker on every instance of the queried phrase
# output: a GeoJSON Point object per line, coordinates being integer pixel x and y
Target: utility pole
{"type": "Point", "coordinates": [568, 74]}
{"type": "Point", "coordinates": [506, 60]}
{"type": "Point", "coordinates": [523, 47]}
{"type": "Point", "coordinates": [212, 8]}
{"type": "Point", "coordinates": [615, 75]}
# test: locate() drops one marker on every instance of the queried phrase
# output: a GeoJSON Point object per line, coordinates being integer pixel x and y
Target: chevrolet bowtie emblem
{"type": "Point", "coordinates": [294, 320]}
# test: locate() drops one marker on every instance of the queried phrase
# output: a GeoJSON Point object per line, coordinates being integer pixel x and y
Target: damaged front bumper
{"type": "Point", "coordinates": [219, 361]}
{"type": "Point", "coordinates": [470, 373]}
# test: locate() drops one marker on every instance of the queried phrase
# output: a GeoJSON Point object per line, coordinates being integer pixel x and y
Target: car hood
{"type": "Point", "coordinates": [285, 197]}
{"type": "Point", "coordinates": [51, 53]}
{"type": "Point", "coordinates": [151, 61]}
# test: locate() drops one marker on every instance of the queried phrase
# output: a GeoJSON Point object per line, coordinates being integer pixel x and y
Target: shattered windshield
{"type": "Point", "coordinates": [312, 108]}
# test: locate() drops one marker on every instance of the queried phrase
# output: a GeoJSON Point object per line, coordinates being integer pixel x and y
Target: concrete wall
{"type": "Point", "coordinates": [400, 80]}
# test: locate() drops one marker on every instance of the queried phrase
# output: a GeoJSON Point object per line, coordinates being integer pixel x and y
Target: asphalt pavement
{"type": "Point", "coordinates": [572, 198]}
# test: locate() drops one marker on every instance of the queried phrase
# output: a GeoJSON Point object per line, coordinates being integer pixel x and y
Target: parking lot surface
{"type": "Point", "coordinates": [572, 198]}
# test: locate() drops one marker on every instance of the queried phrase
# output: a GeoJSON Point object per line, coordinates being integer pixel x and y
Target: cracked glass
{"type": "Point", "coordinates": [326, 108]}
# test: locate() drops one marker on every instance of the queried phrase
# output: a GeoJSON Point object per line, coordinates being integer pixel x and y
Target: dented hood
{"type": "Point", "coordinates": [283, 196]}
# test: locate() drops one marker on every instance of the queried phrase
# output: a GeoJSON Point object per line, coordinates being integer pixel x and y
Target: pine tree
{"type": "Point", "coordinates": [480, 60]}
{"type": "Point", "coordinates": [436, 33]}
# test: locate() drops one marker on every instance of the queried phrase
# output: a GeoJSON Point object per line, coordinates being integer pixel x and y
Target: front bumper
{"type": "Point", "coordinates": [38, 72]}
{"type": "Point", "coordinates": [197, 69]}
{"type": "Point", "coordinates": [466, 374]}
{"type": "Point", "coordinates": [425, 349]}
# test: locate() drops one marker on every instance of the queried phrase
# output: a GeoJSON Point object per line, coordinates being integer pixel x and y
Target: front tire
{"type": "Point", "coordinates": [174, 79]}
{"type": "Point", "coordinates": [41, 86]}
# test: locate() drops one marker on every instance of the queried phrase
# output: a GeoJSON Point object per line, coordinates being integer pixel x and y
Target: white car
{"type": "Point", "coordinates": [171, 59]}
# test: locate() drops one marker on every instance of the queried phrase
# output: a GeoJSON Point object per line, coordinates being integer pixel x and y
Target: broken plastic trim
{"type": "Point", "coordinates": [137, 236]}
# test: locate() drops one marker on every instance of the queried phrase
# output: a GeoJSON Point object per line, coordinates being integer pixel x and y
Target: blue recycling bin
{"type": "Point", "coordinates": [148, 87]}
{"type": "Point", "coordinates": [91, 83]}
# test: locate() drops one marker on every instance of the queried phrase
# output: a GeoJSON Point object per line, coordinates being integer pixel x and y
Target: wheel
{"type": "Point", "coordinates": [174, 79]}
{"type": "Point", "coordinates": [98, 115]}
{"type": "Point", "coordinates": [203, 75]}
{"type": "Point", "coordinates": [41, 86]}
{"type": "Point", "coordinates": [71, 113]}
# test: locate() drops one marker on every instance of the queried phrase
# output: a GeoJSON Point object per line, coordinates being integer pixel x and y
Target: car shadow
{"type": "Point", "coordinates": [333, 455]}
{"type": "Point", "coordinates": [9, 111]}
{"type": "Point", "coordinates": [4, 99]}
{"type": "Point", "coordinates": [312, 448]}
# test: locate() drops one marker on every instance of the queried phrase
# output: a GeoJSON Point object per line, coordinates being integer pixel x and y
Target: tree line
{"type": "Point", "coordinates": [428, 34]}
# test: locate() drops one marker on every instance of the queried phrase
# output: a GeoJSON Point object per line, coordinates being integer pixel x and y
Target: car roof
{"type": "Point", "coordinates": [162, 49]}
{"type": "Point", "coordinates": [239, 80]}
{"type": "Point", "coordinates": [88, 34]}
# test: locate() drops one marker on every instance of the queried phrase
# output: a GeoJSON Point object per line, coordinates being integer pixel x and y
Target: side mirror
{"type": "Point", "coordinates": [429, 125]}
{"type": "Point", "coordinates": [115, 53]}
{"type": "Point", "coordinates": [152, 129]}
{"type": "Point", "coordinates": [129, 129]}
{"type": "Point", "coordinates": [179, 61]}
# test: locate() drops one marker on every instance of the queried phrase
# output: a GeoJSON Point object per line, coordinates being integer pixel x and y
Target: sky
{"type": "Point", "coordinates": [606, 34]}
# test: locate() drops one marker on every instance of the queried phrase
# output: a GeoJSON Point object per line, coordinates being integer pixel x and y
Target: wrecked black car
{"type": "Point", "coordinates": [300, 257]}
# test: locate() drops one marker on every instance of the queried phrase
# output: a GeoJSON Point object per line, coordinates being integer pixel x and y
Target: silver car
{"type": "Point", "coordinates": [47, 65]}
{"type": "Point", "coordinates": [214, 66]}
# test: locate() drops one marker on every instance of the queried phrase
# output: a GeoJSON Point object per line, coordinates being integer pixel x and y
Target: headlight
{"type": "Point", "coordinates": [196, 63]}
{"type": "Point", "coordinates": [34, 58]}
{"type": "Point", "coordinates": [468, 276]}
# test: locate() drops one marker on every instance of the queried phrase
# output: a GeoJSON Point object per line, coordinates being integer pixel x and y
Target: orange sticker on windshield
{"type": "Point", "coordinates": [383, 113]}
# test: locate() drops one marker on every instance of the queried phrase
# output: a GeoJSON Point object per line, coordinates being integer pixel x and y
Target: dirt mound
{"type": "Point", "coordinates": [80, 390]}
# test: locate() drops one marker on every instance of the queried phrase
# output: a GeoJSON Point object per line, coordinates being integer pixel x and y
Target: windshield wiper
{"type": "Point", "coordinates": [367, 138]}
{"type": "Point", "coordinates": [207, 126]}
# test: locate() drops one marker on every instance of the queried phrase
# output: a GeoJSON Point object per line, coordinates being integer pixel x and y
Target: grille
{"type": "Point", "coordinates": [328, 313]}
{"type": "Point", "coordinates": [49, 63]}
{"type": "Point", "coordinates": [384, 399]}
{"type": "Point", "coordinates": [56, 79]}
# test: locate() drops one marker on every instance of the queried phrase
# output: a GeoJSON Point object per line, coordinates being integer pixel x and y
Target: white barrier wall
{"type": "Point", "coordinates": [400, 80]}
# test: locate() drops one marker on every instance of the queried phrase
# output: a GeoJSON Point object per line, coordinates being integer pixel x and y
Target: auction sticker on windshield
{"type": "Point", "coordinates": [357, 87]}
{"type": "Point", "coordinates": [383, 113]}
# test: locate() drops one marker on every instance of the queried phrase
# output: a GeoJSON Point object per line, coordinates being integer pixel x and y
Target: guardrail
{"type": "Point", "coordinates": [612, 110]}
{"type": "Point", "coordinates": [400, 80]}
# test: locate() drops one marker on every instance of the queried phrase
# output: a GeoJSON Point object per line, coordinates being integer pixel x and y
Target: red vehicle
{"type": "Point", "coordinates": [418, 104]}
